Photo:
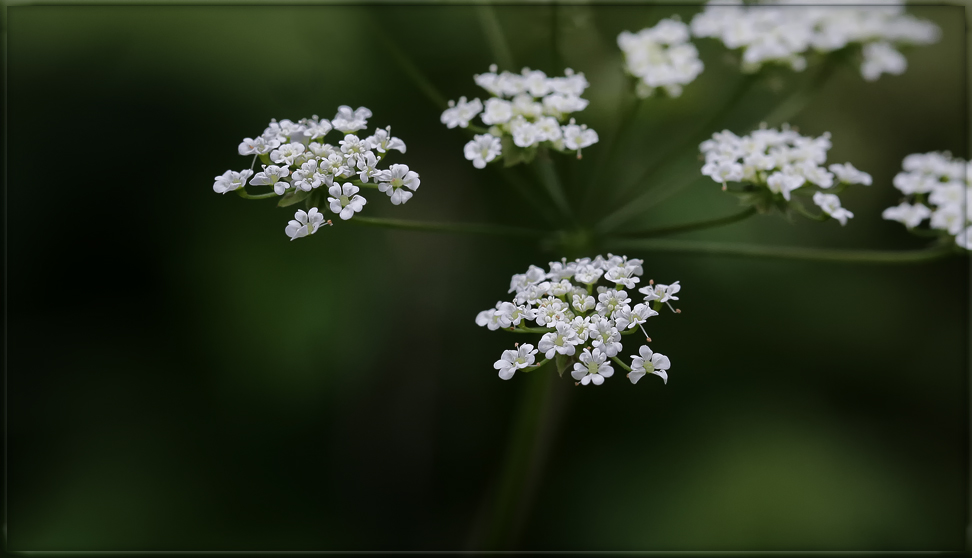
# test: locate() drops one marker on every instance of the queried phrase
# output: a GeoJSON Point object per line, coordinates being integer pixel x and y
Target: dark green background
{"type": "Point", "coordinates": [182, 377]}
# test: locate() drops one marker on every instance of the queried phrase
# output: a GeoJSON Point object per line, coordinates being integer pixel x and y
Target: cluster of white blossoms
{"type": "Point", "coordinates": [660, 57]}
{"type": "Point", "coordinates": [774, 32]}
{"type": "Point", "coordinates": [527, 110]}
{"type": "Point", "coordinates": [936, 187]}
{"type": "Point", "coordinates": [583, 310]}
{"type": "Point", "coordinates": [298, 164]}
{"type": "Point", "coordinates": [775, 164]}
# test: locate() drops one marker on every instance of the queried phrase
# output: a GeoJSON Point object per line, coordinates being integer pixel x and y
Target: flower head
{"type": "Point", "coordinates": [648, 362]}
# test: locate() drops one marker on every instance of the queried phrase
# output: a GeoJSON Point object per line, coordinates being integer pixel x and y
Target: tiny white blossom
{"type": "Point", "coordinates": [286, 153]}
{"type": "Point", "coordinates": [910, 215]}
{"type": "Point", "coordinates": [830, 204]}
{"type": "Point", "coordinates": [305, 224]}
{"type": "Point", "coordinates": [482, 149]}
{"type": "Point", "coordinates": [272, 175]}
{"type": "Point", "coordinates": [847, 174]}
{"type": "Point", "coordinates": [230, 181]}
{"type": "Point", "coordinates": [383, 141]}
{"type": "Point", "coordinates": [347, 120]}
{"type": "Point", "coordinates": [592, 368]}
{"type": "Point", "coordinates": [647, 362]}
{"type": "Point", "coordinates": [307, 178]}
{"type": "Point", "coordinates": [258, 146]}
{"type": "Point", "coordinates": [344, 200]}
{"type": "Point", "coordinates": [561, 341]}
{"type": "Point", "coordinates": [397, 181]}
{"type": "Point", "coordinates": [459, 114]}
{"type": "Point", "coordinates": [513, 360]}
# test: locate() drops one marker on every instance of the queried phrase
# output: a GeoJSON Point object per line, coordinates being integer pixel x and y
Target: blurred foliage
{"type": "Point", "coordinates": [182, 377]}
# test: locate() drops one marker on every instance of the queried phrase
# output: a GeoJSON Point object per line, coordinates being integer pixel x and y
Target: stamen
{"type": "Point", "coordinates": [651, 282]}
{"type": "Point", "coordinates": [253, 163]}
{"type": "Point", "coordinates": [669, 304]}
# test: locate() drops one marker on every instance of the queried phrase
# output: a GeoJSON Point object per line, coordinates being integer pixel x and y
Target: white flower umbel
{"type": "Point", "coordinates": [581, 323]}
{"type": "Point", "coordinates": [648, 362]}
{"type": "Point", "coordinates": [528, 111]}
{"type": "Point", "coordinates": [937, 187]}
{"type": "Point", "coordinates": [661, 57]}
{"type": "Point", "coordinates": [305, 224]}
{"type": "Point", "coordinates": [774, 167]}
{"type": "Point", "coordinates": [777, 33]}
{"type": "Point", "coordinates": [299, 165]}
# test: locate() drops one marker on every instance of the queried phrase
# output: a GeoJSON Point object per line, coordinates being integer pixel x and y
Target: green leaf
{"type": "Point", "coordinates": [562, 362]}
{"type": "Point", "coordinates": [514, 154]}
{"type": "Point", "coordinates": [290, 198]}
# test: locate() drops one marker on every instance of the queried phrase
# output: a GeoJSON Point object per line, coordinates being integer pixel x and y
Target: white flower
{"type": "Point", "coordinates": [949, 218]}
{"type": "Point", "coordinates": [383, 141]}
{"type": "Point", "coordinates": [367, 167]}
{"type": "Point", "coordinates": [459, 114]}
{"type": "Point", "coordinates": [336, 165]}
{"type": "Point", "coordinates": [353, 148]}
{"type": "Point", "coordinates": [632, 317]}
{"type": "Point", "coordinates": [307, 178]}
{"type": "Point", "coordinates": [782, 183]}
{"type": "Point", "coordinates": [605, 336]}
{"type": "Point", "coordinates": [592, 368]}
{"type": "Point", "coordinates": [286, 153]}
{"type": "Point", "coordinates": [305, 224]}
{"type": "Point", "coordinates": [560, 341]}
{"type": "Point", "coordinates": [830, 204]}
{"type": "Point", "coordinates": [316, 128]}
{"type": "Point", "coordinates": [660, 292]}
{"type": "Point", "coordinates": [882, 58]}
{"type": "Point", "coordinates": [578, 137]}
{"type": "Point", "coordinates": [347, 120]}
{"type": "Point", "coordinates": [498, 111]}
{"type": "Point", "coordinates": [231, 180]}
{"type": "Point", "coordinates": [482, 149]}
{"type": "Point", "coordinates": [525, 134]}
{"type": "Point", "coordinates": [345, 201]}
{"type": "Point", "coordinates": [583, 303]}
{"type": "Point", "coordinates": [512, 361]}
{"type": "Point", "coordinates": [394, 182]}
{"type": "Point", "coordinates": [910, 215]}
{"type": "Point", "coordinates": [257, 146]}
{"type": "Point", "coordinates": [847, 174]}
{"type": "Point", "coordinates": [661, 56]}
{"type": "Point", "coordinates": [964, 238]}
{"type": "Point", "coordinates": [609, 300]}
{"type": "Point", "coordinates": [588, 274]}
{"type": "Point", "coordinates": [648, 362]}
{"type": "Point", "coordinates": [272, 175]}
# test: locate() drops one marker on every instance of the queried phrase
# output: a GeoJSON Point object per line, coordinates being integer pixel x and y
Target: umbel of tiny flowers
{"type": "Point", "coordinates": [937, 187]}
{"type": "Point", "coordinates": [527, 111]}
{"type": "Point", "coordinates": [784, 34]}
{"type": "Point", "coordinates": [582, 312]}
{"type": "Point", "coordinates": [300, 166]}
{"type": "Point", "coordinates": [775, 167]}
{"type": "Point", "coordinates": [660, 58]}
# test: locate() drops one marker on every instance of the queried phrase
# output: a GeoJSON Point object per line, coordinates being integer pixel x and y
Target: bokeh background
{"type": "Point", "coordinates": [181, 377]}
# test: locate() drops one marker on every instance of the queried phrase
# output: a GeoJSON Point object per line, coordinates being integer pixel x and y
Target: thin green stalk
{"type": "Point", "coordinates": [459, 228]}
{"type": "Point", "coordinates": [495, 37]}
{"type": "Point", "coordinates": [933, 252]}
{"type": "Point", "coordinates": [529, 329]}
{"type": "Point", "coordinates": [621, 364]}
{"type": "Point", "coordinates": [412, 72]}
{"type": "Point", "coordinates": [696, 226]}
{"type": "Point", "coordinates": [535, 366]}
{"type": "Point", "coordinates": [547, 175]}
{"type": "Point", "coordinates": [243, 194]}
{"type": "Point", "coordinates": [786, 109]}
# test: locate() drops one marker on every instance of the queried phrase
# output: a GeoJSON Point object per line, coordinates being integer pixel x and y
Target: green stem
{"type": "Point", "coordinates": [242, 193]}
{"type": "Point", "coordinates": [933, 252]}
{"type": "Point", "coordinates": [364, 184]}
{"type": "Point", "coordinates": [784, 110]}
{"type": "Point", "coordinates": [696, 226]}
{"type": "Point", "coordinates": [621, 363]}
{"type": "Point", "coordinates": [529, 330]}
{"type": "Point", "coordinates": [412, 71]}
{"type": "Point", "coordinates": [535, 366]}
{"type": "Point", "coordinates": [460, 228]}
{"type": "Point", "coordinates": [547, 175]}
{"type": "Point", "coordinates": [495, 37]}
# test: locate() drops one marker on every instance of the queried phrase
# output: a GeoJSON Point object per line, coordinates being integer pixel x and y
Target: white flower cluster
{"type": "Point", "coordinates": [582, 322]}
{"type": "Point", "coordinates": [777, 163]}
{"type": "Point", "coordinates": [297, 162]}
{"type": "Point", "coordinates": [661, 57]}
{"type": "Point", "coordinates": [774, 32]}
{"type": "Point", "coordinates": [937, 187]}
{"type": "Point", "coordinates": [527, 110]}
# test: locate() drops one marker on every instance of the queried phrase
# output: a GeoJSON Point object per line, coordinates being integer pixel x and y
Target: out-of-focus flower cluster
{"type": "Point", "coordinates": [774, 164]}
{"type": "Point", "coordinates": [582, 309]}
{"type": "Point", "coordinates": [660, 57]}
{"type": "Point", "coordinates": [298, 164]}
{"type": "Point", "coordinates": [936, 187]}
{"type": "Point", "coordinates": [777, 33]}
{"type": "Point", "coordinates": [528, 110]}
